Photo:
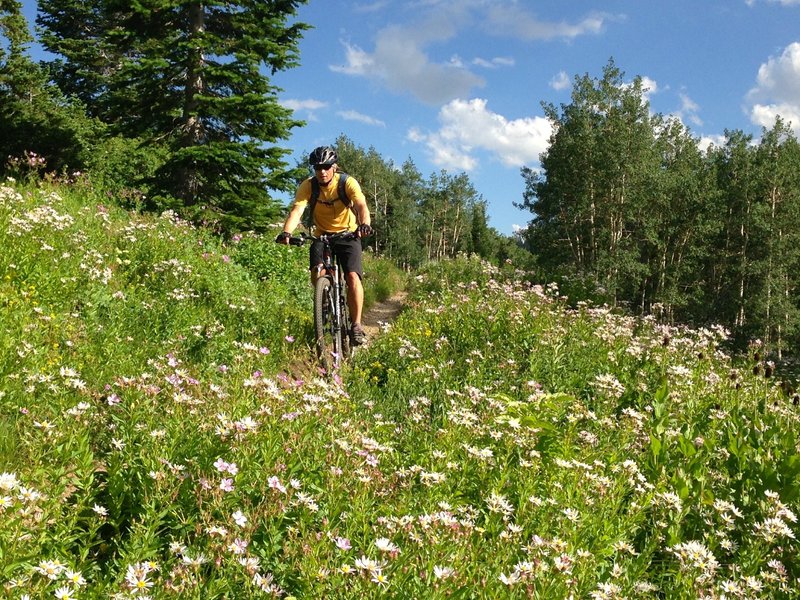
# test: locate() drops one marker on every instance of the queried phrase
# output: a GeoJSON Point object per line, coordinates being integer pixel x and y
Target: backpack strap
{"type": "Point", "coordinates": [342, 190]}
{"type": "Point", "coordinates": [314, 194]}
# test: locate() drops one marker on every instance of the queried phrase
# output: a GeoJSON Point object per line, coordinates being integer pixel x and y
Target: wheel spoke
{"type": "Point", "coordinates": [328, 349]}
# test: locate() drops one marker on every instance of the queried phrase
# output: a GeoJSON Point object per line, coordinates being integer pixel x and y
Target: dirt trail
{"type": "Point", "coordinates": [382, 313]}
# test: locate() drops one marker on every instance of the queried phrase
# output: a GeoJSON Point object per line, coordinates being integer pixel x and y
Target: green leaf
{"type": "Point", "coordinates": [686, 446]}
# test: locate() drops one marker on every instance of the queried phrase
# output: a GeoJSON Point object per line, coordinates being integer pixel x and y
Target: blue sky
{"type": "Point", "coordinates": [457, 85]}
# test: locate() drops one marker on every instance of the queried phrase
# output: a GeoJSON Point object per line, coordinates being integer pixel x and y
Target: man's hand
{"type": "Point", "coordinates": [283, 238]}
{"type": "Point", "coordinates": [364, 230]}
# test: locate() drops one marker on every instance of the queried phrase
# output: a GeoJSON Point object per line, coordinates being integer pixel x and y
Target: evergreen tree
{"type": "Point", "coordinates": [39, 126]}
{"type": "Point", "coordinates": [190, 76]}
{"type": "Point", "coordinates": [78, 31]}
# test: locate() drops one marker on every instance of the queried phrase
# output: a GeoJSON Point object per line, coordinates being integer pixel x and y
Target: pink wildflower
{"type": "Point", "coordinates": [275, 484]}
{"type": "Point", "coordinates": [343, 543]}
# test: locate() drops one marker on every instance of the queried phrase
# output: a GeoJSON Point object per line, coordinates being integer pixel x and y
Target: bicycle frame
{"type": "Point", "coordinates": [331, 314]}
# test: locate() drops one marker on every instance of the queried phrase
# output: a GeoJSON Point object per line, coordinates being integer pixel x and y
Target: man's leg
{"type": "Point", "coordinates": [350, 259]}
{"type": "Point", "coordinates": [355, 296]}
{"type": "Point", "coordinates": [355, 302]}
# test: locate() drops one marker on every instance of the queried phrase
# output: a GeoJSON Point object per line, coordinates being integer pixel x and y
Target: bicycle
{"type": "Point", "coordinates": [331, 314]}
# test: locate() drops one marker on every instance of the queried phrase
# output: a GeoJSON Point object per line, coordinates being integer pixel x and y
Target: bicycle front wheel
{"type": "Point", "coordinates": [346, 323]}
{"type": "Point", "coordinates": [326, 326]}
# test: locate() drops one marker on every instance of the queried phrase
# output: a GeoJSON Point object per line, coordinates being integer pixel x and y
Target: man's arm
{"type": "Point", "coordinates": [292, 221]}
{"type": "Point", "coordinates": [364, 219]}
{"type": "Point", "coordinates": [362, 211]}
{"type": "Point", "coordinates": [359, 201]}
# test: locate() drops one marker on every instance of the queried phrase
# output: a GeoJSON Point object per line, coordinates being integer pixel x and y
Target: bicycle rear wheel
{"type": "Point", "coordinates": [328, 332]}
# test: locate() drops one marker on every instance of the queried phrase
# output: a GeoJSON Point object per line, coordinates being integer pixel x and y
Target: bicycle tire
{"type": "Point", "coordinates": [328, 333]}
{"type": "Point", "coordinates": [347, 343]}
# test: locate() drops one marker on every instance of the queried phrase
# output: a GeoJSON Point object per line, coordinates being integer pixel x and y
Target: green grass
{"type": "Point", "coordinates": [493, 443]}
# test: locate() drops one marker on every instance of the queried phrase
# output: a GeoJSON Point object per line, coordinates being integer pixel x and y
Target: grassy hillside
{"type": "Point", "coordinates": [493, 443]}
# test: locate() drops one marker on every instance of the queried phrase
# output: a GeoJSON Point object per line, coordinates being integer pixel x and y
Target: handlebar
{"type": "Point", "coordinates": [301, 239]}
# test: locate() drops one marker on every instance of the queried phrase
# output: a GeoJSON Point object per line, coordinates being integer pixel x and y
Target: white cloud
{"type": "Point", "coordinates": [443, 151]}
{"type": "Point", "coordinates": [498, 61]}
{"type": "Point", "coordinates": [400, 63]}
{"type": "Point", "coordinates": [371, 7]}
{"type": "Point", "coordinates": [352, 115]}
{"type": "Point", "coordinates": [561, 81]}
{"type": "Point", "coordinates": [783, 2]}
{"type": "Point", "coordinates": [689, 110]}
{"type": "Point", "coordinates": [467, 126]}
{"type": "Point", "coordinates": [707, 141]}
{"type": "Point", "coordinates": [308, 107]}
{"type": "Point", "coordinates": [765, 115]}
{"type": "Point", "coordinates": [303, 104]}
{"type": "Point", "coordinates": [778, 77]}
{"type": "Point", "coordinates": [777, 89]}
{"type": "Point", "coordinates": [649, 87]}
{"type": "Point", "coordinates": [504, 61]}
{"type": "Point", "coordinates": [357, 62]}
{"type": "Point", "coordinates": [455, 61]}
{"type": "Point", "coordinates": [401, 60]}
{"type": "Point", "coordinates": [511, 19]}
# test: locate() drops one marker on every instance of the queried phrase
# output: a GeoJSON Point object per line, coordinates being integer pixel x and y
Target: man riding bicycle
{"type": "Point", "coordinates": [331, 214]}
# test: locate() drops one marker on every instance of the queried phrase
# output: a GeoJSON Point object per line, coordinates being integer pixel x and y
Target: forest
{"type": "Point", "coordinates": [169, 105]}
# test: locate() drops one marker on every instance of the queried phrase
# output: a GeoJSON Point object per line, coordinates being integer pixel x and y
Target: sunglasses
{"type": "Point", "coordinates": [322, 167]}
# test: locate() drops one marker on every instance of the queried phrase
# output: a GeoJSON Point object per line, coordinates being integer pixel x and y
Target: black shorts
{"type": "Point", "coordinates": [348, 253]}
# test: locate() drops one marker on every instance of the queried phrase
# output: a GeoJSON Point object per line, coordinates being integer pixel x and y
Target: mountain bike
{"type": "Point", "coordinates": [331, 315]}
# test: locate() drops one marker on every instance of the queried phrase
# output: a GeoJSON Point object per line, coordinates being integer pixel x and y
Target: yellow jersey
{"type": "Point", "coordinates": [330, 213]}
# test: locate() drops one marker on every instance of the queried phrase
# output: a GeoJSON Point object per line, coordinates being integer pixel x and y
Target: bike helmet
{"type": "Point", "coordinates": [324, 155]}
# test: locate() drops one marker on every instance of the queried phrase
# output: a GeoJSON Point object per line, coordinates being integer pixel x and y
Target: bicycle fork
{"type": "Point", "coordinates": [332, 271]}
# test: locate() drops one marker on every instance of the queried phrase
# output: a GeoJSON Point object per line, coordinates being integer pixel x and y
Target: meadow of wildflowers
{"type": "Point", "coordinates": [156, 442]}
